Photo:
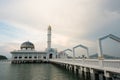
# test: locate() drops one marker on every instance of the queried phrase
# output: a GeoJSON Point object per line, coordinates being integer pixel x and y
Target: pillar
{"type": "Point", "coordinates": [82, 73]}
{"type": "Point", "coordinates": [87, 73]}
{"type": "Point", "coordinates": [92, 74]}
{"type": "Point", "coordinates": [77, 70]}
{"type": "Point", "coordinates": [69, 68]}
{"type": "Point", "coordinates": [72, 66]}
{"type": "Point", "coordinates": [101, 76]}
{"type": "Point", "coordinates": [107, 75]}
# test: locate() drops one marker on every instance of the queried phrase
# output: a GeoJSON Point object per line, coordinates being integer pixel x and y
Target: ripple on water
{"type": "Point", "coordinates": [33, 72]}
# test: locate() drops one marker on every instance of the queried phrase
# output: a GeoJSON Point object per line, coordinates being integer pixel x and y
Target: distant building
{"type": "Point", "coordinates": [28, 54]}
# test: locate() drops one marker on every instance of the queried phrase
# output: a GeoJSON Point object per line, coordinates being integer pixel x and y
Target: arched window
{"type": "Point", "coordinates": [35, 57]}
{"type": "Point", "coordinates": [44, 57]}
{"type": "Point", "coordinates": [50, 56]}
{"type": "Point", "coordinates": [30, 57]}
{"type": "Point", "coordinates": [20, 57]}
{"type": "Point", "coordinates": [25, 57]}
{"type": "Point", "coordinates": [15, 57]}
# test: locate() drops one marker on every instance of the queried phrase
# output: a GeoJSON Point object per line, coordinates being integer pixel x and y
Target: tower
{"type": "Point", "coordinates": [51, 52]}
{"type": "Point", "coordinates": [49, 38]}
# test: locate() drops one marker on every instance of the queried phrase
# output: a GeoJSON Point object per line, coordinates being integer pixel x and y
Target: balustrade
{"type": "Point", "coordinates": [110, 65]}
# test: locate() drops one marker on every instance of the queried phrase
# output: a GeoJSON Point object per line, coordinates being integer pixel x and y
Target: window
{"type": "Point", "coordinates": [30, 57]}
{"type": "Point", "coordinates": [50, 56]}
{"type": "Point", "coordinates": [35, 57]}
{"type": "Point", "coordinates": [15, 57]}
{"type": "Point", "coordinates": [44, 57]}
{"type": "Point", "coordinates": [20, 57]}
{"type": "Point", "coordinates": [25, 57]}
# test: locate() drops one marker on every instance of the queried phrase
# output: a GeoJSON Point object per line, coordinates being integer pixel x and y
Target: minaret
{"type": "Point", "coordinates": [49, 38]}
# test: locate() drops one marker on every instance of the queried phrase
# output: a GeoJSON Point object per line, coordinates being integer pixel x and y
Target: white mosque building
{"type": "Point", "coordinates": [28, 54]}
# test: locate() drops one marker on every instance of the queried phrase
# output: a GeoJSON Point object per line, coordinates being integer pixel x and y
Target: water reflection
{"type": "Point", "coordinates": [34, 72]}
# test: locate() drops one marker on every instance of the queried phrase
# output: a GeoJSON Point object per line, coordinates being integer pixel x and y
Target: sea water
{"type": "Point", "coordinates": [42, 71]}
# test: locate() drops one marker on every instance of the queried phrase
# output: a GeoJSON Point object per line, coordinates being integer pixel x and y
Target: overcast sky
{"type": "Point", "coordinates": [73, 22]}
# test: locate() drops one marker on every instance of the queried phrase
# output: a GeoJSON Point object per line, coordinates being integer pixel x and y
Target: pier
{"type": "Point", "coordinates": [94, 68]}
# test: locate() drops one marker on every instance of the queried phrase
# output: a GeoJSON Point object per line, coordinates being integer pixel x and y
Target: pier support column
{"type": "Point", "coordinates": [73, 68]}
{"type": "Point", "coordinates": [77, 70]}
{"type": "Point", "coordinates": [81, 70]}
{"type": "Point", "coordinates": [67, 66]}
{"type": "Point", "coordinates": [87, 73]}
{"type": "Point", "coordinates": [101, 76]}
{"type": "Point", "coordinates": [92, 74]}
{"type": "Point", "coordinates": [107, 75]}
{"type": "Point", "coordinates": [82, 73]}
{"type": "Point", "coordinates": [64, 65]}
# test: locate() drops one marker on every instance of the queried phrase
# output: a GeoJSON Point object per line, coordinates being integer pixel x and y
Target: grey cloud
{"type": "Point", "coordinates": [111, 5]}
{"type": "Point", "coordinates": [82, 21]}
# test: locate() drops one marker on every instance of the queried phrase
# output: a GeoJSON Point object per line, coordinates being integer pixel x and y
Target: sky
{"type": "Point", "coordinates": [73, 22]}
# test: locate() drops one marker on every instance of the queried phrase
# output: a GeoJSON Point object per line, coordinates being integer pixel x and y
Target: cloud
{"type": "Point", "coordinates": [73, 22]}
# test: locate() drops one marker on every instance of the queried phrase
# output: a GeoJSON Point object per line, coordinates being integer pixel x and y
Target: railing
{"type": "Point", "coordinates": [28, 59]}
{"type": "Point", "coordinates": [5, 61]}
{"type": "Point", "coordinates": [112, 64]}
{"type": "Point", "coordinates": [109, 65]}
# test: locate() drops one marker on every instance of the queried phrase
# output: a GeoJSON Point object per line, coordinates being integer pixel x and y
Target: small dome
{"type": "Point", "coordinates": [27, 45]}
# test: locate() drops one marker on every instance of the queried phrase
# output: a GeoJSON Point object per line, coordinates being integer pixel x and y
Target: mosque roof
{"type": "Point", "coordinates": [27, 44]}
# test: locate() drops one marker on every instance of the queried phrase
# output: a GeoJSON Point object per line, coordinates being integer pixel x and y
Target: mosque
{"type": "Point", "coordinates": [28, 54]}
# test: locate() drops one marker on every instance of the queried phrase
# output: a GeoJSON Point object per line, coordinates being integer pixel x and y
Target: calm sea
{"type": "Point", "coordinates": [34, 72]}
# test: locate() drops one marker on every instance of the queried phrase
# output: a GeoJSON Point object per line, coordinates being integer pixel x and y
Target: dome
{"type": "Point", "coordinates": [27, 45]}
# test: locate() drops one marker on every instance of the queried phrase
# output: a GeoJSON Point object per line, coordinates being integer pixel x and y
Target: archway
{"type": "Point", "coordinates": [82, 46]}
{"type": "Point", "coordinates": [44, 57]}
{"type": "Point", "coordinates": [50, 56]}
{"type": "Point", "coordinates": [100, 52]}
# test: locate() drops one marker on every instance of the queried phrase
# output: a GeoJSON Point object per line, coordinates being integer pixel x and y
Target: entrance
{"type": "Point", "coordinates": [50, 56]}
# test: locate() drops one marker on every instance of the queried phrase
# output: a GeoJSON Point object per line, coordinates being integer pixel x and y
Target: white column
{"type": "Point", "coordinates": [107, 75]}
{"type": "Point", "coordinates": [13, 56]}
{"type": "Point", "coordinates": [22, 56]}
{"type": "Point", "coordinates": [92, 73]}
{"type": "Point", "coordinates": [101, 76]}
